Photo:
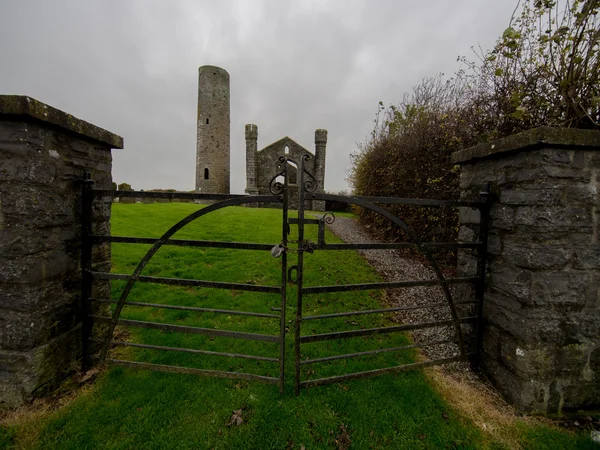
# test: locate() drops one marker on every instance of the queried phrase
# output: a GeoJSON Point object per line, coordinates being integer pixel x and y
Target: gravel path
{"type": "Point", "coordinates": [393, 266]}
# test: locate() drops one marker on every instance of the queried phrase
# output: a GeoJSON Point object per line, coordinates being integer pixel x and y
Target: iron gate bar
{"type": "Point", "coordinates": [304, 185]}
{"type": "Point", "coordinates": [382, 310]}
{"type": "Point", "coordinates": [186, 282]}
{"type": "Point", "coordinates": [397, 245]}
{"type": "Point", "coordinates": [370, 373]}
{"type": "Point", "coordinates": [86, 266]}
{"type": "Point", "coordinates": [416, 201]}
{"type": "Point", "coordinates": [382, 330]}
{"type": "Point", "coordinates": [481, 268]}
{"type": "Point", "coordinates": [189, 308]}
{"type": "Point", "coordinates": [374, 352]}
{"type": "Point", "coordinates": [189, 329]}
{"type": "Point", "coordinates": [285, 230]}
{"type": "Point", "coordinates": [295, 221]}
{"type": "Point", "coordinates": [99, 239]}
{"type": "Point", "coordinates": [165, 195]}
{"type": "Point", "coordinates": [191, 370]}
{"type": "Point", "coordinates": [385, 285]}
{"type": "Point", "coordinates": [194, 351]}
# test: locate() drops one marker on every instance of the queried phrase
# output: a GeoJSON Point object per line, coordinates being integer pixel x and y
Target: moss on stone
{"type": "Point", "coordinates": [547, 137]}
{"type": "Point", "coordinates": [20, 105]}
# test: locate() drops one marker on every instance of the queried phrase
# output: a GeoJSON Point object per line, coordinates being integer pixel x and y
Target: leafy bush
{"type": "Point", "coordinates": [125, 187]}
{"type": "Point", "coordinates": [543, 71]}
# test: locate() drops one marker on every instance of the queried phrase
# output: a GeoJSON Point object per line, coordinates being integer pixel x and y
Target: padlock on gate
{"type": "Point", "coordinates": [277, 250]}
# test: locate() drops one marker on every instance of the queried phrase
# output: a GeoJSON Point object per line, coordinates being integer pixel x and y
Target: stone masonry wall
{"type": "Point", "coordinates": [541, 341]}
{"type": "Point", "coordinates": [43, 152]}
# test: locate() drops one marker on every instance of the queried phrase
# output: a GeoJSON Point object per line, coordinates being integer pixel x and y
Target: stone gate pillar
{"type": "Point", "coordinates": [541, 335]}
{"type": "Point", "coordinates": [43, 153]}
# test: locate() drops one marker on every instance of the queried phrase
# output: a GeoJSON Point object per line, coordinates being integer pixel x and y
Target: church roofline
{"type": "Point", "coordinates": [286, 138]}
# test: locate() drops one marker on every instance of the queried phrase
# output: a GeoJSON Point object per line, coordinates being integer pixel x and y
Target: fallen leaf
{"type": "Point", "coordinates": [89, 375]}
{"type": "Point", "coordinates": [236, 418]}
{"type": "Point", "coordinates": [343, 439]}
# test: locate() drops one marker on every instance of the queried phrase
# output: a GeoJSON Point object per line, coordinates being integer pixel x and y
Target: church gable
{"type": "Point", "coordinates": [267, 160]}
{"type": "Point", "coordinates": [294, 150]}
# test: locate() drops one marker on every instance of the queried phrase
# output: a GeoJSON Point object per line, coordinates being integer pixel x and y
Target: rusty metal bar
{"type": "Point", "coordinates": [187, 282]}
{"type": "Point", "coordinates": [382, 330]}
{"type": "Point", "coordinates": [98, 239]}
{"type": "Point", "coordinates": [191, 370]}
{"type": "Point", "coordinates": [374, 311]}
{"type": "Point", "coordinates": [481, 269]}
{"type": "Point", "coordinates": [385, 285]}
{"type": "Point", "coordinates": [285, 230]}
{"type": "Point", "coordinates": [190, 330]}
{"type": "Point", "coordinates": [398, 245]}
{"type": "Point", "coordinates": [295, 221]}
{"type": "Point", "coordinates": [374, 352]}
{"type": "Point", "coordinates": [167, 195]}
{"type": "Point", "coordinates": [370, 373]}
{"type": "Point", "coordinates": [188, 308]}
{"type": "Point", "coordinates": [194, 351]}
{"type": "Point", "coordinates": [86, 267]}
{"type": "Point", "coordinates": [418, 201]}
{"type": "Point", "coordinates": [304, 185]}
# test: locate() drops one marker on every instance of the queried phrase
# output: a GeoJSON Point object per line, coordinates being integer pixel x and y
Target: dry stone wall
{"type": "Point", "coordinates": [43, 153]}
{"type": "Point", "coordinates": [541, 339]}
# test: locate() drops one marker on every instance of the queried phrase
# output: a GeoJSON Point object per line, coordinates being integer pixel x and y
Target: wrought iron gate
{"type": "Point", "coordinates": [279, 193]}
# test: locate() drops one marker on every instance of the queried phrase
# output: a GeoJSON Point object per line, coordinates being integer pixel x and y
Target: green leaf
{"type": "Point", "coordinates": [498, 72]}
{"type": "Point", "coordinates": [519, 113]}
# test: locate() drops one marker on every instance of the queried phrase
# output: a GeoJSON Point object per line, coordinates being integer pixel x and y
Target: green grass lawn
{"type": "Point", "coordinates": [141, 409]}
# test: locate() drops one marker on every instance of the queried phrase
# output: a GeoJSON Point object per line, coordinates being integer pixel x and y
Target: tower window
{"type": "Point", "coordinates": [287, 150]}
{"type": "Point", "coordinates": [207, 121]}
{"type": "Point", "coordinates": [206, 173]}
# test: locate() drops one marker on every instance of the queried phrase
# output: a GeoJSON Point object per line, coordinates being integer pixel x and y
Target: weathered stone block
{"type": "Point", "coordinates": [26, 330]}
{"type": "Point", "coordinates": [530, 196]}
{"type": "Point", "coordinates": [511, 281]}
{"type": "Point", "coordinates": [536, 255]}
{"type": "Point", "coordinates": [577, 194]}
{"type": "Point", "coordinates": [554, 217]}
{"type": "Point", "coordinates": [503, 217]}
{"type": "Point", "coordinates": [587, 257]}
{"type": "Point", "coordinates": [559, 287]}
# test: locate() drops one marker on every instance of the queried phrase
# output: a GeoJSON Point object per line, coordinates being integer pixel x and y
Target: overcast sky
{"type": "Point", "coordinates": [131, 67]}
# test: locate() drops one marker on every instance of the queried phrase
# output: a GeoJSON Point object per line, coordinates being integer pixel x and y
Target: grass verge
{"type": "Point", "coordinates": [142, 409]}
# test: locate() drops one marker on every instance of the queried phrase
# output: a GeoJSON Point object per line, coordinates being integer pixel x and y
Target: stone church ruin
{"type": "Point", "coordinates": [213, 149]}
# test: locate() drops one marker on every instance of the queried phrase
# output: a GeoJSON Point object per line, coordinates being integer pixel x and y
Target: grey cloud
{"type": "Point", "coordinates": [131, 67]}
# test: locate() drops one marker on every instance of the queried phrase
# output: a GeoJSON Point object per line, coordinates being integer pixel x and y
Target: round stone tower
{"type": "Point", "coordinates": [212, 149]}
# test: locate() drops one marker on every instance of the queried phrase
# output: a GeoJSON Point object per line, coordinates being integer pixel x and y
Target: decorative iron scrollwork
{"type": "Point", "coordinates": [328, 218]}
{"type": "Point", "coordinates": [276, 187]}
{"type": "Point", "coordinates": [310, 184]}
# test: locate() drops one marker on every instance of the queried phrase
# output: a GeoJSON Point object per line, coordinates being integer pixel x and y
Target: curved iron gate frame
{"type": "Point", "coordinates": [307, 191]}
